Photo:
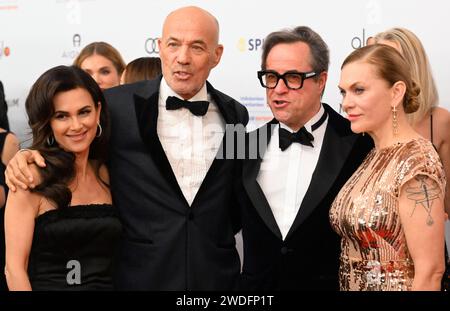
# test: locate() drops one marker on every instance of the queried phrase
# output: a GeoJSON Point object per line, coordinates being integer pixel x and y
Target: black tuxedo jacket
{"type": "Point", "coordinates": [308, 258]}
{"type": "Point", "coordinates": [167, 244]}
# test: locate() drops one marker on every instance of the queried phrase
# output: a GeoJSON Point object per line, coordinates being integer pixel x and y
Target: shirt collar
{"type": "Point", "coordinates": [308, 124]}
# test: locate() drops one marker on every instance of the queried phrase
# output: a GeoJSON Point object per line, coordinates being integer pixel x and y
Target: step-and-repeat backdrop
{"type": "Point", "coordinates": [37, 35]}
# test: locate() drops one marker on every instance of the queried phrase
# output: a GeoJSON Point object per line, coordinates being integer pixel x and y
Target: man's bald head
{"type": "Point", "coordinates": [196, 15]}
{"type": "Point", "coordinates": [189, 49]}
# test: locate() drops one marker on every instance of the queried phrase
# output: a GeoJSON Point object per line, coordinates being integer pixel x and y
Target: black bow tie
{"type": "Point", "coordinates": [303, 137]}
{"type": "Point", "coordinates": [198, 108]}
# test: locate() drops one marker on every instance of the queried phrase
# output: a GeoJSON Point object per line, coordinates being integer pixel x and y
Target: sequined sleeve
{"type": "Point", "coordinates": [419, 158]}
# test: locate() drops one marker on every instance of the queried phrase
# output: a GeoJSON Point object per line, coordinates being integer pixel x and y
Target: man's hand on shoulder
{"type": "Point", "coordinates": [18, 172]}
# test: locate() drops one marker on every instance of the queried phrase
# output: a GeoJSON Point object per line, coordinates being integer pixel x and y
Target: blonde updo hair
{"type": "Point", "coordinates": [391, 67]}
{"type": "Point", "coordinates": [415, 56]}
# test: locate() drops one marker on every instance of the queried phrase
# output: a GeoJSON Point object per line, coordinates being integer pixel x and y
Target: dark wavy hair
{"type": "Point", "coordinates": [320, 55]}
{"type": "Point", "coordinates": [60, 168]}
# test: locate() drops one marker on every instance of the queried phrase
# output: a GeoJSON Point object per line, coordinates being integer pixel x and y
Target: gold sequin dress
{"type": "Point", "coordinates": [374, 254]}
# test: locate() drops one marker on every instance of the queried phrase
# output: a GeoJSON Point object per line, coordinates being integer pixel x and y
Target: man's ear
{"type": "Point", "coordinates": [322, 80]}
{"type": "Point", "coordinates": [218, 51]}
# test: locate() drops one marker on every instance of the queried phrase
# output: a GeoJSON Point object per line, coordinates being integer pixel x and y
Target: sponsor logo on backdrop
{"type": "Point", "coordinates": [256, 105]}
{"type": "Point", "coordinates": [75, 50]}
{"type": "Point", "coordinates": [5, 50]}
{"type": "Point", "coordinates": [250, 45]}
{"type": "Point", "coordinates": [151, 46]}
{"type": "Point", "coordinates": [253, 101]}
{"type": "Point", "coordinates": [261, 118]}
{"type": "Point", "coordinates": [359, 41]}
{"type": "Point", "coordinates": [6, 5]}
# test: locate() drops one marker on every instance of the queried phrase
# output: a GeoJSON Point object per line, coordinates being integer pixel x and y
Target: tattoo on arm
{"type": "Point", "coordinates": [423, 191]}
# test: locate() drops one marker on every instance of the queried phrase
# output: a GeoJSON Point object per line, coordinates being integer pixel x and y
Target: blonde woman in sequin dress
{"type": "Point", "coordinates": [390, 213]}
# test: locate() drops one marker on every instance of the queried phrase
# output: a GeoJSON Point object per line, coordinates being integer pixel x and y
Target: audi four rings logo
{"type": "Point", "coordinates": [151, 46]}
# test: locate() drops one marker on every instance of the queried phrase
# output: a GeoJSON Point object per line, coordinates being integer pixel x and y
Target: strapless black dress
{"type": "Point", "coordinates": [74, 248]}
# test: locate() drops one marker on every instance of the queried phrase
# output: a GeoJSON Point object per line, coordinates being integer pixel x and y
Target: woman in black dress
{"type": "Point", "coordinates": [62, 235]}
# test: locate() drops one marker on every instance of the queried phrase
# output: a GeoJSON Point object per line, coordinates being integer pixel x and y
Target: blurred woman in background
{"type": "Point", "coordinates": [143, 68]}
{"type": "Point", "coordinates": [103, 62]}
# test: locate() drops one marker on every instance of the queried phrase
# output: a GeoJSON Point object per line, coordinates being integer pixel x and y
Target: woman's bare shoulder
{"type": "Point", "coordinates": [441, 116]}
{"type": "Point", "coordinates": [104, 173]}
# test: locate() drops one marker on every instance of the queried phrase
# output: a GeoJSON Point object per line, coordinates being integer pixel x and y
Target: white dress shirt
{"type": "Point", "coordinates": [190, 142]}
{"type": "Point", "coordinates": [284, 176]}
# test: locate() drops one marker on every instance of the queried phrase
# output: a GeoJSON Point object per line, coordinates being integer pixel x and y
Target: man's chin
{"type": "Point", "coordinates": [182, 91]}
{"type": "Point", "coordinates": [281, 118]}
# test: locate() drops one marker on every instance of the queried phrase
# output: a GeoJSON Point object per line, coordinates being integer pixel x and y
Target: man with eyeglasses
{"type": "Point", "coordinates": [296, 165]}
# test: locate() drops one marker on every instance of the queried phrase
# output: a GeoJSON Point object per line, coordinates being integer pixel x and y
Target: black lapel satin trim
{"type": "Point", "coordinates": [250, 172]}
{"type": "Point", "coordinates": [227, 110]}
{"type": "Point", "coordinates": [147, 118]}
{"type": "Point", "coordinates": [335, 149]}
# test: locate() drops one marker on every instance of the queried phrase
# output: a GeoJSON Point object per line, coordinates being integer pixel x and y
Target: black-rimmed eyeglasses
{"type": "Point", "coordinates": [292, 79]}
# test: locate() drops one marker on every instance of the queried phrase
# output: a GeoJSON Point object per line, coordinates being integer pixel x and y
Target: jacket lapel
{"type": "Point", "coordinates": [146, 107]}
{"type": "Point", "coordinates": [258, 141]}
{"type": "Point", "coordinates": [337, 145]}
{"type": "Point", "coordinates": [225, 108]}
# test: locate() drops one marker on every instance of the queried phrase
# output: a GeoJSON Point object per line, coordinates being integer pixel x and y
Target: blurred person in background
{"type": "Point", "coordinates": [9, 145]}
{"type": "Point", "coordinates": [142, 68]}
{"type": "Point", "coordinates": [4, 123]}
{"type": "Point", "coordinates": [103, 62]}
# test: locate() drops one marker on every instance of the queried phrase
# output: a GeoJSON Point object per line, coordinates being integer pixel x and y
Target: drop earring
{"type": "Point", "coordinates": [394, 121]}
